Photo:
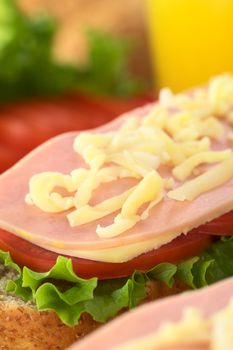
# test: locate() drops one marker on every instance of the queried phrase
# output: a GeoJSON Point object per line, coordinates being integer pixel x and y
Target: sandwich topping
{"type": "Point", "coordinates": [178, 134]}
{"type": "Point", "coordinates": [106, 194]}
{"type": "Point", "coordinates": [193, 331]}
{"type": "Point", "coordinates": [136, 200]}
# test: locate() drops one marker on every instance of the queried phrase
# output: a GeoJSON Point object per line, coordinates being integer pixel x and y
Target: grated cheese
{"type": "Point", "coordinates": [222, 329]}
{"type": "Point", "coordinates": [156, 118]}
{"type": "Point", "coordinates": [84, 192]}
{"type": "Point", "coordinates": [148, 190]}
{"type": "Point", "coordinates": [190, 330]}
{"type": "Point", "coordinates": [185, 169]}
{"type": "Point", "coordinates": [220, 94]}
{"type": "Point", "coordinates": [207, 181]}
{"type": "Point", "coordinates": [139, 163]}
{"type": "Point", "coordinates": [174, 138]}
{"type": "Point", "coordinates": [119, 226]}
{"type": "Point", "coordinates": [88, 214]}
{"type": "Point", "coordinates": [41, 187]}
{"type": "Point", "coordinates": [193, 147]}
{"type": "Point", "coordinates": [193, 330]}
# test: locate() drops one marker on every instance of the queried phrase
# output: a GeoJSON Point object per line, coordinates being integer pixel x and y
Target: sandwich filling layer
{"type": "Point", "coordinates": [131, 186]}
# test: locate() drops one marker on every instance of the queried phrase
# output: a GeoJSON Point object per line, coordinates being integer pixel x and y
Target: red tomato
{"type": "Point", "coordinates": [27, 124]}
{"type": "Point", "coordinates": [222, 226]}
{"type": "Point", "coordinates": [8, 157]}
{"type": "Point", "coordinates": [15, 132]}
{"type": "Point", "coordinates": [114, 107]}
{"type": "Point", "coordinates": [34, 126]}
{"type": "Point", "coordinates": [39, 259]}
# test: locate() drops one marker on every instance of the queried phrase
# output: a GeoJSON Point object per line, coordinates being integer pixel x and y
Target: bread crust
{"type": "Point", "coordinates": [22, 327]}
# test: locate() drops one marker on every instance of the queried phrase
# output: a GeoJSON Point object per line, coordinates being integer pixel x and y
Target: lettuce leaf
{"type": "Point", "coordinates": [163, 272]}
{"type": "Point", "coordinates": [185, 271]}
{"type": "Point", "coordinates": [61, 290]}
{"type": "Point", "coordinates": [8, 262]}
{"type": "Point", "coordinates": [214, 264]}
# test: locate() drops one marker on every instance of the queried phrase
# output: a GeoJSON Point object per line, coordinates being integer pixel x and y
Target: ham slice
{"type": "Point", "coordinates": [146, 319]}
{"type": "Point", "coordinates": [52, 231]}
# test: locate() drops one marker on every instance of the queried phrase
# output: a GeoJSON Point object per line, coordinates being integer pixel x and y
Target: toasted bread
{"type": "Point", "coordinates": [23, 327]}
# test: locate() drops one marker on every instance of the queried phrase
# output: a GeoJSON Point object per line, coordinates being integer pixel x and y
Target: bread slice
{"type": "Point", "coordinates": [23, 327]}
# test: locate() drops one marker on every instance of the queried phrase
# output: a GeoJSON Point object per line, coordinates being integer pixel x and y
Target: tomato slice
{"type": "Point", "coordinates": [38, 259]}
{"type": "Point", "coordinates": [8, 157]}
{"type": "Point", "coordinates": [115, 107]}
{"type": "Point", "coordinates": [25, 125]}
{"type": "Point", "coordinates": [16, 133]}
{"type": "Point", "coordinates": [222, 226]}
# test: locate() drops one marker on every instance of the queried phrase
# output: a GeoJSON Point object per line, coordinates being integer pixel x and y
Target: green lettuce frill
{"type": "Point", "coordinates": [61, 290]}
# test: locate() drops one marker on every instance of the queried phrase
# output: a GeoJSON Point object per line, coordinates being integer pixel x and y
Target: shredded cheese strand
{"type": "Point", "coordinates": [185, 169]}
{"type": "Point", "coordinates": [204, 182]}
{"type": "Point", "coordinates": [41, 187]}
{"type": "Point", "coordinates": [88, 214]}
